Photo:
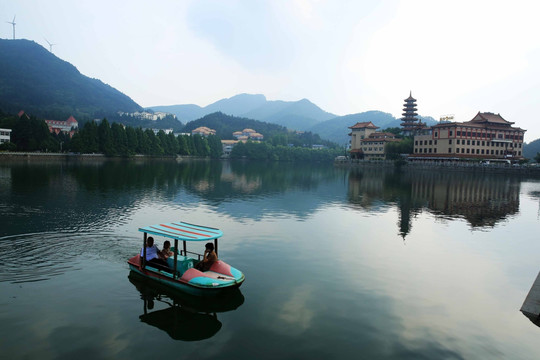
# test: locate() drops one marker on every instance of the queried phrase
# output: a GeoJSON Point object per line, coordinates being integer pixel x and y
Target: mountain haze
{"type": "Point", "coordinates": [295, 115]}
{"type": "Point", "coordinates": [337, 129]}
{"type": "Point", "coordinates": [36, 81]}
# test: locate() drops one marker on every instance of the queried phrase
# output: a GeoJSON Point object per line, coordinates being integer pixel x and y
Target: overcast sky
{"type": "Point", "coordinates": [457, 57]}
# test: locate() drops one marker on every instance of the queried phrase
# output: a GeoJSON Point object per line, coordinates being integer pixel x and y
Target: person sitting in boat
{"type": "Point", "coordinates": [152, 256]}
{"type": "Point", "coordinates": [209, 258]}
{"type": "Point", "coordinates": [166, 251]}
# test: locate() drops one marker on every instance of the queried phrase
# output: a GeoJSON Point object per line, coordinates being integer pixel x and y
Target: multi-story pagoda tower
{"type": "Point", "coordinates": [409, 122]}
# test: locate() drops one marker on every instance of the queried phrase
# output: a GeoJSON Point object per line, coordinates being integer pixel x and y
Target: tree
{"type": "Point", "coordinates": [31, 134]}
{"type": "Point", "coordinates": [143, 143]}
{"type": "Point", "coordinates": [395, 149]}
{"type": "Point", "coordinates": [89, 138]}
{"type": "Point", "coordinates": [155, 147]}
{"type": "Point", "coordinates": [132, 140]}
{"type": "Point", "coordinates": [239, 151]}
{"type": "Point", "coordinates": [183, 146]}
{"type": "Point", "coordinates": [394, 130]}
{"type": "Point", "coordinates": [105, 139]}
{"type": "Point", "coordinates": [216, 149]}
{"type": "Point", "coordinates": [200, 145]}
{"type": "Point", "coordinates": [537, 157]}
{"type": "Point", "coordinates": [119, 139]}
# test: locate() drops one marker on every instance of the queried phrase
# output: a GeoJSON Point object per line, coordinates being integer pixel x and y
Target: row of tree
{"type": "Point", "coordinates": [118, 140]}
{"type": "Point", "coordinates": [28, 134]}
{"type": "Point", "coordinates": [267, 151]}
{"type": "Point", "coordinates": [32, 134]}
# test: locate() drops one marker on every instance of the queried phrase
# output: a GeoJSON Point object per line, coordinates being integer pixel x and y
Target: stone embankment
{"type": "Point", "coordinates": [528, 169]}
{"type": "Point", "coordinates": [41, 156]}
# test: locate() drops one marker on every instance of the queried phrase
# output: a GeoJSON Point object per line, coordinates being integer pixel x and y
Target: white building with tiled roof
{"type": "Point", "coordinates": [248, 134]}
{"type": "Point", "coordinates": [203, 131]}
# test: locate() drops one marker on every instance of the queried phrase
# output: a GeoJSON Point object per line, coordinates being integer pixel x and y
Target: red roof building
{"type": "Point", "coordinates": [68, 127]}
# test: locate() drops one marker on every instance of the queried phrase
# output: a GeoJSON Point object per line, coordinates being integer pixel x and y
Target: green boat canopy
{"type": "Point", "coordinates": [183, 231]}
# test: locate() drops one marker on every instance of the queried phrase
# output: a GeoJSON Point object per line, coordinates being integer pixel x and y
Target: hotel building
{"type": "Point", "coordinates": [486, 136]}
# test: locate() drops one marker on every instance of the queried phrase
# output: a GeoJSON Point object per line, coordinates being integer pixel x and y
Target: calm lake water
{"type": "Point", "coordinates": [339, 263]}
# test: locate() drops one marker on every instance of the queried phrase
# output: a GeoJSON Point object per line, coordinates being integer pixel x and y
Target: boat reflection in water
{"type": "Point", "coordinates": [183, 316]}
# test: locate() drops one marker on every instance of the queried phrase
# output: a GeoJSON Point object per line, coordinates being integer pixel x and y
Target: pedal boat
{"type": "Point", "coordinates": [182, 274]}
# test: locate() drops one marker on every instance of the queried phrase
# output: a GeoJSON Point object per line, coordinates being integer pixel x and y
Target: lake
{"type": "Point", "coordinates": [340, 262]}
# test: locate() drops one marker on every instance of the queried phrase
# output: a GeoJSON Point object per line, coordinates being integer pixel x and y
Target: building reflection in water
{"type": "Point", "coordinates": [481, 199]}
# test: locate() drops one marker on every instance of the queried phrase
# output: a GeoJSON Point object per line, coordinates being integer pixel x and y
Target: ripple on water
{"type": "Point", "coordinates": [40, 256]}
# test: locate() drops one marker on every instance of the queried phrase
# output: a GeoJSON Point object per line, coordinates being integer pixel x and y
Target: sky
{"type": "Point", "coordinates": [457, 57]}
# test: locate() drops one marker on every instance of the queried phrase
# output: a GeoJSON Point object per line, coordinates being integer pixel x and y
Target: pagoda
{"type": "Point", "coordinates": [409, 122]}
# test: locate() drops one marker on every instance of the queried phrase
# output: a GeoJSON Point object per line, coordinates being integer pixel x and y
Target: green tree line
{"type": "Point", "coordinates": [267, 151]}
{"type": "Point", "coordinates": [118, 140]}
{"type": "Point", "coordinates": [32, 134]}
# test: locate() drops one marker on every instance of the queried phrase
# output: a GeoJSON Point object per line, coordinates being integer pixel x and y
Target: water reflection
{"type": "Point", "coordinates": [34, 196]}
{"type": "Point", "coordinates": [181, 316]}
{"type": "Point", "coordinates": [481, 199]}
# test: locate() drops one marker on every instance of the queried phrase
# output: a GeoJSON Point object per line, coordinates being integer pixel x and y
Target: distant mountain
{"type": "Point", "coordinates": [531, 149]}
{"type": "Point", "coordinates": [337, 129]}
{"type": "Point", "coordinates": [295, 115]}
{"type": "Point", "coordinates": [238, 105]}
{"type": "Point", "coordinates": [36, 81]}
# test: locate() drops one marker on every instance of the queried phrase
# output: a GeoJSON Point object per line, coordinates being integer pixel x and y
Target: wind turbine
{"type": "Point", "coordinates": [12, 23]}
{"type": "Point", "coordinates": [50, 45]}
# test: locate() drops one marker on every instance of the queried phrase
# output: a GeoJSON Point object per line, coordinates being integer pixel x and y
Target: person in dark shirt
{"type": "Point", "coordinates": [209, 258]}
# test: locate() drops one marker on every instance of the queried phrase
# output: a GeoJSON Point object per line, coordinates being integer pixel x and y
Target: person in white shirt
{"type": "Point", "coordinates": [152, 255]}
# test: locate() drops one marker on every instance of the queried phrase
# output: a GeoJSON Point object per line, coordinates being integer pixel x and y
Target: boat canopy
{"type": "Point", "coordinates": [183, 231]}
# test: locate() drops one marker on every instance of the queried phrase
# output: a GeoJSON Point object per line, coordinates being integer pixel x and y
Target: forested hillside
{"type": "Point", "coordinates": [225, 125]}
{"type": "Point", "coordinates": [531, 149]}
{"type": "Point", "coordinates": [36, 81]}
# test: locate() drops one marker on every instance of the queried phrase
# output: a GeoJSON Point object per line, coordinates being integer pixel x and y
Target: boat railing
{"type": "Point", "coordinates": [185, 252]}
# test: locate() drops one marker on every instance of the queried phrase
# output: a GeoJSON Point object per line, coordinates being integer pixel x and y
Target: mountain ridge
{"type": "Point", "coordinates": [36, 81]}
{"type": "Point", "coordinates": [295, 115]}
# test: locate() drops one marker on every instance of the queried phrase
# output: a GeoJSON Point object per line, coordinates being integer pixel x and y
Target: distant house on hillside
{"type": "Point", "coordinates": [203, 131]}
{"type": "Point", "coordinates": [146, 115]}
{"type": "Point", "coordinates": [248, 134]}
{"type": "Point", "coordinates": [166, 131]}
{"type": "Point", "coordinates": [68, 127]}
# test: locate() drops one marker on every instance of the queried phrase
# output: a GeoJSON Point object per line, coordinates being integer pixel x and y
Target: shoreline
{"type": "Point", "coordinates": [463, 167]}
{"type": "Point", "coordinates": [36, 156]}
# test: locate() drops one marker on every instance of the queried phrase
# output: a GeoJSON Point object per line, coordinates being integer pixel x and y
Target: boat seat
{"type": "Point", "coordinates": [183, 264]}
